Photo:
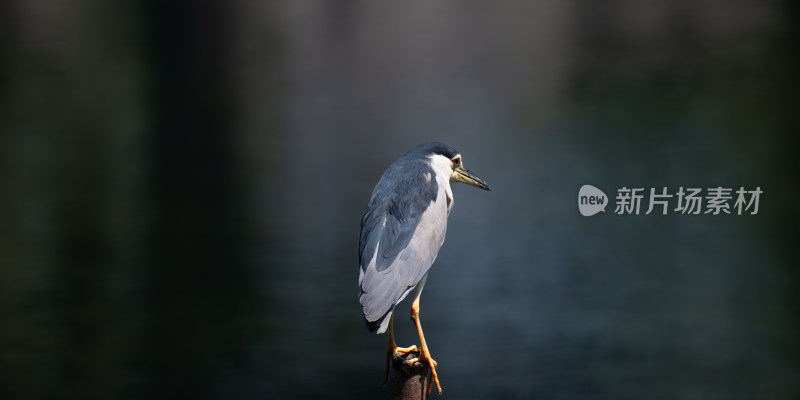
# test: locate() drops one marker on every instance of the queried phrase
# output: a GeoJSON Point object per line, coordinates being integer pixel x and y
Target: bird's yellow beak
{"type": "Point", "coordinates": [462, 175]}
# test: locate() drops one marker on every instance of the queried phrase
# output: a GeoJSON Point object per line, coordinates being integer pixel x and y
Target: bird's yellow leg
{"type": "Point", "coordinates": [391, 348]}
{"type": "Point", "coordinates": [425, 355]}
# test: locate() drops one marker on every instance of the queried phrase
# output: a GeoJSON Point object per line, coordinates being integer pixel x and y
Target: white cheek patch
{"type": "Point", "coordinates": [442, 166]}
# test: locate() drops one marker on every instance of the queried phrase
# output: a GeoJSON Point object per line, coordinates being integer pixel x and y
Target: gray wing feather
{"type": "Point", "coordinates": [401, 232]}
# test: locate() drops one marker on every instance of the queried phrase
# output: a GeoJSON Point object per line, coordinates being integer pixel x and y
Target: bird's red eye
{"type": "Point", "coordinates": [455, 162]}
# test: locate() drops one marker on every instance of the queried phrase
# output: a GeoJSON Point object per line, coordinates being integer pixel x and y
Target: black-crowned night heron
{"type": "Point", "coordinates": [401, 233]}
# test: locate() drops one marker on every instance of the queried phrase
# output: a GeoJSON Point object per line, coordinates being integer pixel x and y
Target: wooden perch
{"type": "Point", "coordinates": [408, 382]}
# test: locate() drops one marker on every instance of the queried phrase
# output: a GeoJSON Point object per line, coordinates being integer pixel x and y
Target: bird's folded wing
{"type": "Point", "coordinates": [401, 232]}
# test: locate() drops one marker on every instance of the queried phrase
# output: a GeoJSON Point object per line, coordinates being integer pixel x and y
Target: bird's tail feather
{"type": "Point", "coordinates": [381, 324]}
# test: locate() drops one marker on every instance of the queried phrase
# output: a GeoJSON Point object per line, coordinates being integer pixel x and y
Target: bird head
{"type": "Point", "coordinates": [446, 160]}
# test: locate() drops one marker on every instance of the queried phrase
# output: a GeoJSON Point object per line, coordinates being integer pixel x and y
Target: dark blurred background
{"type": "Point", "coordinates": [181, 186]}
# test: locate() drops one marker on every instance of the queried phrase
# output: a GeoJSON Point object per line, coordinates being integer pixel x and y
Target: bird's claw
{"type": "Point", "coordinates": [395, 352]}
{"type": "Point", "coordinates": [398, 351]}
{"type": "Point", "coordinates": [426, 358]}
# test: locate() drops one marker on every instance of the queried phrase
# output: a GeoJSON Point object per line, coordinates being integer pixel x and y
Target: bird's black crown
{"type": "Point", "coordinates": [427, 149]}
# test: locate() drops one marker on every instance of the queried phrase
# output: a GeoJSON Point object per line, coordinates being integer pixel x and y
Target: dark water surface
{"type": "Point", "coordinates": [181, 189]}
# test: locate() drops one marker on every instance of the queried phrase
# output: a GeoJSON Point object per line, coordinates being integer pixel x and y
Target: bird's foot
{"type": "Point", "coordinates": [394, 352]}
{"type": "Point", "coordinates": [398, 351]}
{"type": "Point", "coordinates": [426, 358]}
